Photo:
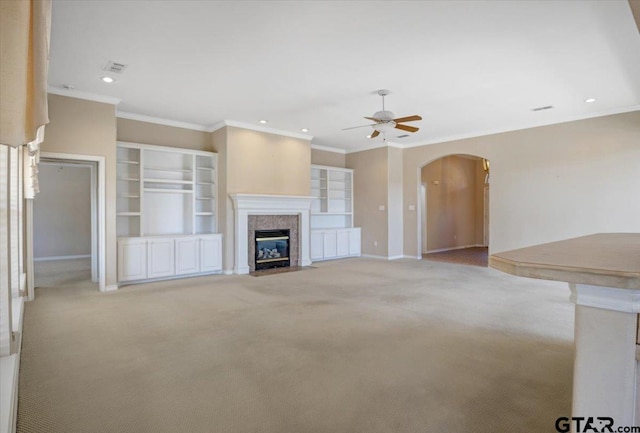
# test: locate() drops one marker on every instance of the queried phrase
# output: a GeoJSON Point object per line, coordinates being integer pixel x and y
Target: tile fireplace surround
{"type": "Point", "coordinates": [273, 205]}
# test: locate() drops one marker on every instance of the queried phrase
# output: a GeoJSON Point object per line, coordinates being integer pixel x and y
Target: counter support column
{"type": "Point", "coordinates": [605, 365]}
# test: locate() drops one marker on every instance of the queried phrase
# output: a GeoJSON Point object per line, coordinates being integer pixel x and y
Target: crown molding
{"type": "Point", "coordinates": [610, 112]}
{"type": "Point", "coordinates": [160, 121]}
{"type": "Point", "coordinates": [83, 95]}
{"type": "Point", "coordinates": [328, 148]}
{"type": "Point", "coordinates": [216, 126]}
{"type": "Point", "coordinates": [268, 130]}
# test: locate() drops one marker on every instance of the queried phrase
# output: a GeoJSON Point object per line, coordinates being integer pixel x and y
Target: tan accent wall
{"type": "Point", "coordinates": [370, 190]}
{"type": "Point", "coordinates": [224, 205]}
{"type": "Point", "coordinates": [88, 128]}
{"type": "Point", "coordinates": [262, 163]}
{"type": "Point", "coordinates": [547, 183]}
{"type": "Point", "coordinates": [635, 10]}
{"type": "Point", "coordinates": [332, 159]}
{"type": "Point", "coordinates": [454, 202]}
{"type": "Point", "coordinates": [135, 131]}
{"type": "Point", "coordinates": [480, 176]}
{"type": "Point", "coordinates": [394, 202]}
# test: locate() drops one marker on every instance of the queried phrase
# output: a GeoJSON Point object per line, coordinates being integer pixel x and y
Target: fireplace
{"type": "Point", "coordinates": [272, 249]}
{"type": "Point", "coordinates": [255, 212]}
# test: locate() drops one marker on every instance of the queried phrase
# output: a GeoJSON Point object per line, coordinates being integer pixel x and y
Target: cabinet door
{"type": "Point", "coordinates": [160, 258]}
{"type": "Point", "coordinates": [316, 246]}
{"type": "Point", "coordinates": [342, 243]}
{"type": "Point", "coordinates": [329, 247]}
{"type": "Point", "coordinates": [354, 242]}
{"type": "Point", "coordinates": [210, 253]}
{"type": "Point", "coordinates": [132, 259]}
{"type": "Point", "coordinates": [187, 256]}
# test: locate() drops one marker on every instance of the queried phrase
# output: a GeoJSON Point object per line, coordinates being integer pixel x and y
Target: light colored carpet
{"type": "Point", "coordinates": [356, 345]}
{"type": "Point", "coordinates": [52, 273]}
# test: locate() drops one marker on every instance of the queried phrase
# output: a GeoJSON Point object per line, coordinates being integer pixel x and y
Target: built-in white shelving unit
{"type": "Point", "coordinates": [332, 232]}
{"type": "Point", "coordinates": [166, 211]}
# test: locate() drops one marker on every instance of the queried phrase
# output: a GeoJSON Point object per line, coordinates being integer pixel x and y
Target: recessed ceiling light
{"type": "Point", "coordinates": [304, 130]}
{"type": "Point", "coordinates": [107, 79]}
{"type": "Point", "coordinates": [263, 121]}
{"type": "Point", "coordinates": [590, 100]}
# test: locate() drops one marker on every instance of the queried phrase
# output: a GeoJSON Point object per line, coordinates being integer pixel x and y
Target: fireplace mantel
{"type": "Point", "coordinates": [268, 204]}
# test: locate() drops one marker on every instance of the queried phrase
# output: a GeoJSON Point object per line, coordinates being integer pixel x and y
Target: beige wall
{"type": "Point", "coordinates": [88, 128]}
{"type": "Point", "coordinates": [454, 202]}
{"type": "Point", "coordinates": [332, 159]}
{"type": "Point", "coordinates": [62, 211]}
{"type": "Point", "coordinates": [135, 131]}
{"type": "Point", "coordinates": [547, 183]}
{"type": "Point", "coordinates": [394, 202]}
{"type": "Point", "coordinates": [370, 190]}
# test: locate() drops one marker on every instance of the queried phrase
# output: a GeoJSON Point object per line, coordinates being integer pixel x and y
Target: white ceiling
{"type": "Point", "coordinates": [469, 68]}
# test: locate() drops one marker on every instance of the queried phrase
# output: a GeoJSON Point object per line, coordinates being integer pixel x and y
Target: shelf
{"type": "Point", "coordinates": [128, 214]}
{"type": "Point", "coordinates": [181, 182]}
{"type": "Point", "coordinates": [128, 179]}
{"type": "Point", "coordinates": [174, 191]}
{"type": "Point", "coordinates": [204, 213]}
{"type": "Point", "coordinates": [129, 195]}
{"type": "Point", "coordinates": [205, 168]}
{"type": "Point", "coordinates": [171, 170]}
{"type": "Point", "coordinates": [205, 183]}
{"type": "Point", "coordinates": [331, 213]}
{"type": "Point", "coordinates": [129, 162]}
{"type": "Point", "coordinates": [205, 198]}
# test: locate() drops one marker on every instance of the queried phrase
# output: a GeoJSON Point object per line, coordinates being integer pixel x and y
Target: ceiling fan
{"type": "Point", "coordinates": [385, 121]}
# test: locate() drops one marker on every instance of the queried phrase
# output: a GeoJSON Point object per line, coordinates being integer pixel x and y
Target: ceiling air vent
{"type": "Point", "coordinates": [115, 67]}
{"type": "Point", "coordinates": [546, 107]}
{"type": "Point", "coordinates": [402, 136]}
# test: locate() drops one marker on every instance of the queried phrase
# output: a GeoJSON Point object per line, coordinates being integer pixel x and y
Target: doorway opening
{"type": "Point", "coordinates": [65, 224]}
{"type": "Point", "coordinates": [454, 210]}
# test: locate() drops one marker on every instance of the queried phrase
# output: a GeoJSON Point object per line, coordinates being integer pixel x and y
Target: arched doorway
{"type": "Point", "coordinates": [454, 209]}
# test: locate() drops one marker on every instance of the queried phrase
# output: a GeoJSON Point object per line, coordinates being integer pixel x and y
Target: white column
{"type": "Point", "coordinates": [242, 242]}
{"type": "Point", "coordinates": [605, 365]}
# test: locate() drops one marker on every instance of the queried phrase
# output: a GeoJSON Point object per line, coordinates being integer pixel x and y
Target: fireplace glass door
{"type": "Point", "coordinates": [272, 249]}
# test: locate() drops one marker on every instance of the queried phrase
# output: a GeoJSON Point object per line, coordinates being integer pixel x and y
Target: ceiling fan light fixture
{"type": "Point", "coordinates": [384, 115]}
{"type": "Point", "coordinates": [385, 127]}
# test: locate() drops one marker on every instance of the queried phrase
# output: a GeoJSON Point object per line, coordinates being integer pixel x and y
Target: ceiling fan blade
{"type": "Point", "coordinates": [375, 134]}
{"type": "Point", "coordinates": [407, 119]}
{"type": "Point", "coordinates": [407, 128]}
{"type": "Point", "coordinates": [374, 119]}
{"type": "Point", "coordinates": [361, 126]}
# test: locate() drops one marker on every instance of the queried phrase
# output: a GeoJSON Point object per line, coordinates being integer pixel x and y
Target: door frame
{"type": "Point", "coordinates": [98, 209]}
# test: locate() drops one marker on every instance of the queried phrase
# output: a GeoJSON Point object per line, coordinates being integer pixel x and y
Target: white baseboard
{"type": "Point", "coordinates": [227, 272]}
{"type": "Point", "coordinates": [395, 257]}
{"type": "Point", "coordinates": [371, 256]}
{"type": "Point", "coordinates": [51, 258]}
{"type": "Point", "coordinates": [110, 288]}
{"type": "Point", "coordinates": [412, 257]}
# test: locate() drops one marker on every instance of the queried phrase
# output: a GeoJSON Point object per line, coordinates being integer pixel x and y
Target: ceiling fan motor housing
{"type": "Point", "coordinates": [384, 115]}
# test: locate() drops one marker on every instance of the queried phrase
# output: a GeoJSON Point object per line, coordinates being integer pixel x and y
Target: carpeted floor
{"type": "Point", "coordinates": [474, 256]}
{"type": "Point", "coordinates": [55, 273]}
{"type": "Point", "coordinates": [353, 346]}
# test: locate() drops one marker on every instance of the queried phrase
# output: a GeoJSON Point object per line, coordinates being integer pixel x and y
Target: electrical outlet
{"type": "Point", "coordinates": [381, 207]}
{"type": "Point", "coordinates": [412, 207]}
{"type": "Point", "coordinates": [375, 243]}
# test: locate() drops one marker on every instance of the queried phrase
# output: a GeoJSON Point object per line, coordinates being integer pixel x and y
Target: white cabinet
{"type": "Point", "coordinates": [147, 258]}
{"type": "Point", "coordinates": [160, 258]}
{"type": "Point", "coordinates": [187, 255]}
{"type": "Point", "coordinates": [132, 259]}
{"type": "Point", "coordinates": [342, 243]}
{"type": "Point", "coordinates": [210, 253]}
{"type": "Point", "coordinates": [354, 242]}
{"type": "Point", "coordinates": [329, 244]}
{"type": "Point", "coordinates": [317, 245]}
